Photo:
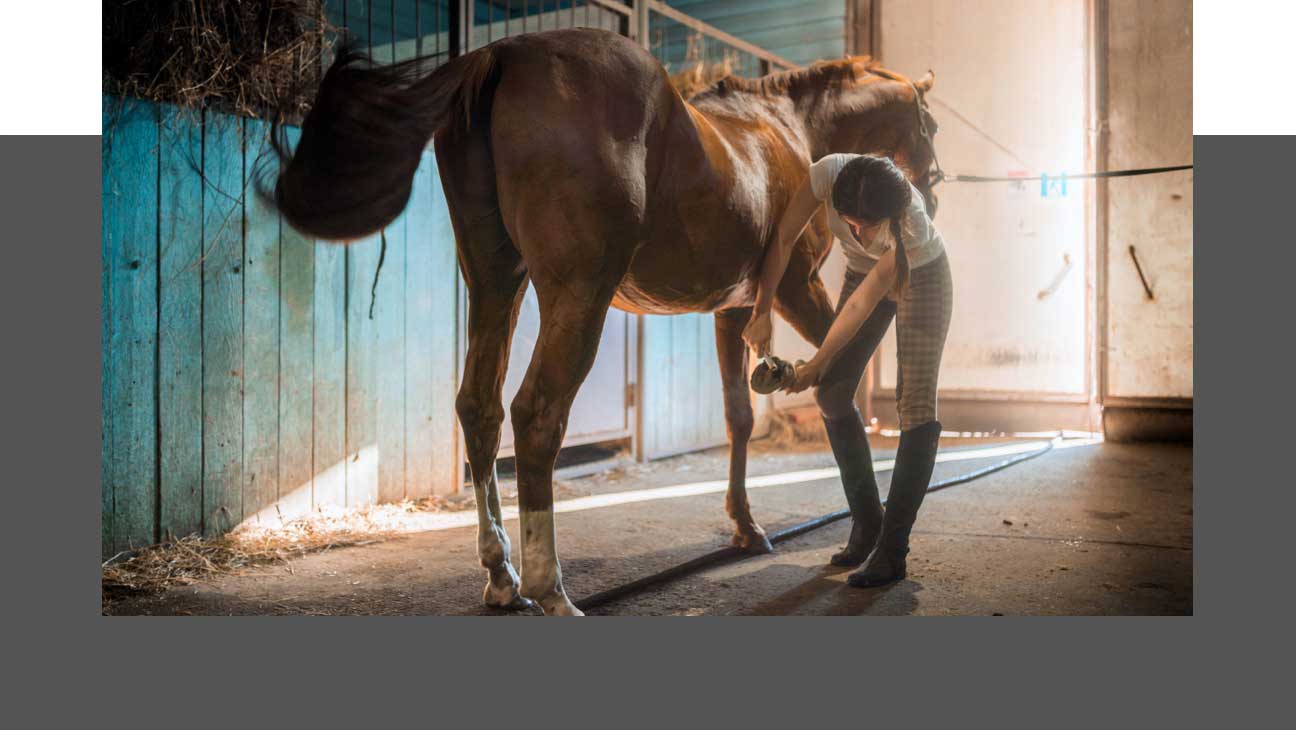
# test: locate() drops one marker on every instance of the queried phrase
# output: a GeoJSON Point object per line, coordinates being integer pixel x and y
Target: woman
{"type": "Point", "coordinates": [872, 206]}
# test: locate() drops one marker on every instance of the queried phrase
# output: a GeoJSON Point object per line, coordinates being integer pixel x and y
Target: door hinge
{"type": "Point", "coordinates": [631, 394]}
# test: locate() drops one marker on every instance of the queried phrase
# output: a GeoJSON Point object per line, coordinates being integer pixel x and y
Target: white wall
{"type": "Point", "coordinates": [1014, 69]}
{"type": "Point", "coordinates": [1150, 343]}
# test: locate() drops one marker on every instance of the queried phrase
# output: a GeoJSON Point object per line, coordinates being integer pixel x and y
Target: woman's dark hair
{"type": "Point", "coordinates": [875, 188]}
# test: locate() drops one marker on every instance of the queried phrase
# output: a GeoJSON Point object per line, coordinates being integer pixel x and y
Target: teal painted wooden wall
{"type": "Point", "coordinates": [802, 31]}
{"type": "Point", "coordinates": [243, 378]}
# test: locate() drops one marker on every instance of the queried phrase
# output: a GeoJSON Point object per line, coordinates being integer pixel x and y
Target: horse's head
{"type": "Point", "coordinates": [855, 105]}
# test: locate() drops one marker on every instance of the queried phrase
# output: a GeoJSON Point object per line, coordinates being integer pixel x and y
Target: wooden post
{"type": "Point", "coordinates": [861, 27]}
{"type": "Point", "coordinates": [461, 24]}
{"type": "Point", "coordinates": [641, 24]}
{"type": "Point", "coordinates": [1099, 32]}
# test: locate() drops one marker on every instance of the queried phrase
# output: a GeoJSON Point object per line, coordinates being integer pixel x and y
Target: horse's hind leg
{"type": "Point", "coordinates": [492, 313]}
{"type": "Point", "coordinates": [739, 421]}
{"type": "Point", "coordinates": [572, 312]}
{"type": "Point", "coordinates": [495, 276]}
{"type": "Point", "coordinates": [575, 268]}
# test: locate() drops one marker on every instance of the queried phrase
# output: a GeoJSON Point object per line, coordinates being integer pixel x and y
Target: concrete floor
{"type": "Point", "coordinates": [1093, 530]}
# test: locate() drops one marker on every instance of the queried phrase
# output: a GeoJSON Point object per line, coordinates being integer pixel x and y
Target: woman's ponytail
{"type": "Point", "coordinates": [902, 260]}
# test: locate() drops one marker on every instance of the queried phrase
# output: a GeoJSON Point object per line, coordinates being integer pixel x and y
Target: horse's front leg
{"type": "Point", "coordinates": [739, 421]}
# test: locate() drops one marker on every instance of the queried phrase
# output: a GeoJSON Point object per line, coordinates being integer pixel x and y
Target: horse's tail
{"type": "Point", "coordinates": [361, 142]}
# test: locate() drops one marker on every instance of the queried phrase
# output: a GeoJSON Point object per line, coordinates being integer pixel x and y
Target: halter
{"type": "Point", "coordinates": [932, 176]}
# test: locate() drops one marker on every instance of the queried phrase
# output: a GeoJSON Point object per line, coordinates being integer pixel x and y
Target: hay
{"type": "Point", "coordinates": [794, 430]}
{"type": "Point", "coordinates": [189, 559]}
{"type": "Point", "coordinates": [250, 58]}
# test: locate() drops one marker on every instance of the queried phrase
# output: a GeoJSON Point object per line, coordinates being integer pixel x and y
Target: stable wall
{"type": "Point", "coordinates": [251, 374]}
{"type": "Point", "coordinates": [1149, 342]}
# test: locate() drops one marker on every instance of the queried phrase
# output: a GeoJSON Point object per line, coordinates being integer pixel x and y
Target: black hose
{"type": "Point", "coordinates": [732, 554]}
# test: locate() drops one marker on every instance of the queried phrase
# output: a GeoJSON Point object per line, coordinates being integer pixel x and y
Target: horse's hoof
{"type": "Point", "coordinates": [505, 598]}
{"type": "Point", "coordinates": [754, 543]}
{"type": "Point", "coordinates": [559, 605]}
{"type": "Point", "coordinates": [567, 608]}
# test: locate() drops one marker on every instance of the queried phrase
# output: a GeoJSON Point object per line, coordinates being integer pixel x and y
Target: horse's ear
{"type": "Point", "coordinates": [926, 82]}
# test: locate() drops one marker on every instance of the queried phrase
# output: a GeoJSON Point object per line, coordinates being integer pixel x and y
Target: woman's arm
{"type": "Point", "coordinates": [803, 206]}
{"type": "Point", "coordinates": [858, 309]}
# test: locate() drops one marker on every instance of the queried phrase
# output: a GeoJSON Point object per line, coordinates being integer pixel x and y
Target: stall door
{"type": "Point", "coordinates": [601, 411]}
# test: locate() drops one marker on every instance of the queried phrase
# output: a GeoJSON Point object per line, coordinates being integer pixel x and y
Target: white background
{"type": "Point", "coordinates": [1242, 67]}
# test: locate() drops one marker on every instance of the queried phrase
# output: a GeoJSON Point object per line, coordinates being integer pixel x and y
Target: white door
{"type": "Point", "coordinates": [1011, 98]}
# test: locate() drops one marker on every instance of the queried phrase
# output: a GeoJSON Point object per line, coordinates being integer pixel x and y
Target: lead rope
{"type": "Point", "coordinates": [938, 175]}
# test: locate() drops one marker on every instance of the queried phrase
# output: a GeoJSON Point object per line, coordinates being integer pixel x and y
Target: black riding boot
{"type": "Point", "coordinates": [851, 450]}
{"type": "Point", "coordinates": [914, 462]}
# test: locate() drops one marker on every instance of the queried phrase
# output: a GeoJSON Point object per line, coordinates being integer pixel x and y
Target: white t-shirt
{"type": "Point", "coordinates": [923, 244]}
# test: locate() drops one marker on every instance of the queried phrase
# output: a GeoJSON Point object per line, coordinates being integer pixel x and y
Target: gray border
{"type": "Point", "coordinates": [1041, 672]}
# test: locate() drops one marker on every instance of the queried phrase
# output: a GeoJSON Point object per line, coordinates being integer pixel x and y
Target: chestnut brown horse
{"type": "Point", "coordinates": [570, 161]}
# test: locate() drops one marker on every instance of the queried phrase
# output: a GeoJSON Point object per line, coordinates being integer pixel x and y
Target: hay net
{"type": "Point", "coordinates": [250, 58]}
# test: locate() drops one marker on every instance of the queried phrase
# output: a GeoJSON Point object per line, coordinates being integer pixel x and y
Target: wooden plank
{"type": "Point", "coordinates": [431, 359]}
{"type": "Point", "coordinates": [180, 331]}
{"type": "Point", "coordinates": [130, 315]}
{"type": "Point", "coordinates": [656, 382]}
{"type": "Point", "coordinates": [684, 376]}
{"type": "Point", "coordinates": [449, 295]}
{"type": "Point", "coordinates": [389, 319]}
{"type": "Point", "coordinates": [106, 374]}
{"type": "Point", "coordinates": [420, 344]}
{"type": "Point", "coordinates": [222, 323]}
{"type": "Point", "coordinates": [361, 375]}
{"type": "Point", "coordinates": [683, 405]}
{"type": "Point", "coordinates": [329, 487]}
{"type": "Point", "coordinates": [296, 367]}
{"type": "Point", "coordinates": [260, 336]}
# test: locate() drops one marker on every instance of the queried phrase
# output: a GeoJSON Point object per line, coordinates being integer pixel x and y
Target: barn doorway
{"type": "Point", "coordinates": [1020, 354]}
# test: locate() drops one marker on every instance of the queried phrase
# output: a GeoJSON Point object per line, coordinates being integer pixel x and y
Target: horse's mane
{"type": "Point", "coordinates": [821, 74]}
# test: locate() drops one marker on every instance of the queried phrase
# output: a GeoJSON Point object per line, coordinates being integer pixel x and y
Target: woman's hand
{"type": "Point", "coordinates": [758, 332]}
{"type": "Point", "coordinates": [807, 375]}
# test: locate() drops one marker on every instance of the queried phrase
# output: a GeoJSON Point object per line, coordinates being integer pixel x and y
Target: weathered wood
{"type": "Point", "coordinates": [296, 367]}
{"type": "Point", "coordinates": [682, 408]}
{"type": "Point", "coordinates": [361, 375]}
{"type": "Point", "coordinates": [222, 323]}
{"type": "Point", "coordinates": [228, 389]}
{"type": "Point", "coordinates": [180, 402]}
{"type": "Point", "coordinates": [393, 337]}
{"type": "Point", "coordinates": [389, 318]}
{"type": "Point", "coordinates": [329, 475]}
{"type": "Point", "coordinates": [449, 307]}
{"type": "Point", "coordinates": [107, 251]}
{"type": "Point", "coordinates": [431, 353]}
{"type": "Point", "coordinates": [130, 314]}
{"type": "Point", "coordinates": [260, 336]}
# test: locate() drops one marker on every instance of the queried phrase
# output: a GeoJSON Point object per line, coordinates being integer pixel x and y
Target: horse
{"type": "Point", "coordinates": [569, 161]}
